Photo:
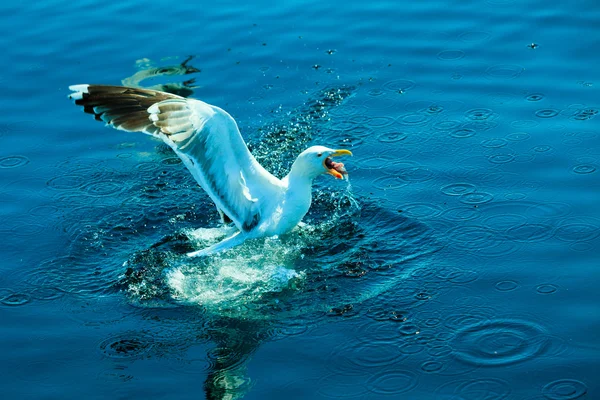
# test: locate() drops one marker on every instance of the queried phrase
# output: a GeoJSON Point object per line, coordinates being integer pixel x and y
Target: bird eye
{"type": "Point", "coordinates": [319, 155]}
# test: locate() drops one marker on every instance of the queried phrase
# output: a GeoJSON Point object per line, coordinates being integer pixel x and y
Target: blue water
{"type": "Point", "coordinates": [458, 262]}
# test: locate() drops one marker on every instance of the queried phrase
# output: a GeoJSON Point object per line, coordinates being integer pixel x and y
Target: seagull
{"type": "Point", "coordinates": [208, 142]}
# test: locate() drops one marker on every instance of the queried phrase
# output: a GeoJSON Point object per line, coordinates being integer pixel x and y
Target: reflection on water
{"type": "Point", "coordinates": [149, 71]}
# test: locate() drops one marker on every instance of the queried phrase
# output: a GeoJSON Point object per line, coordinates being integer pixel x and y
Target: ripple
{"type": "Point", "coordinates": [391, 137]}
{"type": "Point", "coordinates": [416, 174]}
{"type": "Point", "coordinates": [530, 233]}
{"type": "Point", "coordinates": [474, 36]}
{"type": "Point", "coordinates": [16, 299]}
{"type": "Point", "coordinates": [542, 149]}
{"type": "Point", "coordinates": [505, 221]}
{"type": "Point", "coordinates": [449, 55]}
{"type": "Point", "coordinates": [458, 189]}
{"type": "Point", "coordinates": [504, 71]}
{"type": "Point", "coordinates": [463, 133]}
{"type": "Point", "coordinates": [501, 158]}
{"type": "Point", "coordinates": [564, 389]}
{"type": "Point", "coordinates": [461, 213]}
{"type": "Point", "coordinates": [547, 113]}
{"type": "Point", "coordinates": [13, 161]}
{"type": "Point", "coordinates": [474, 389]}
{"type": "Point", "coordinates": [389, 182]}
{"type": "Point", "coordinates": [546, 289]}
{"type": "Point", "coordinates": [535, 97]}
{"type": "Point", "coordinates": [66, 182]}
{"type": "Point", "coordinates": [43, 211]}
{"type": "Point", "coordinates": [380, 122]}
{"type": "Point", "coordinates": [421, 210]}
{"type": "Point", "coordinates": [392, 382]}
{"type": "Point", "coordinates": [479, 114]}
{"type": "Point", "coordinates": [494, 143]}
{"type": "Point", "coordinates": [577, 232]}
{"type": "Point", "coordinates": [518, 136]}
{"type": "Point", "coordinates": [476, 198]}
{"type": "Point", "coordinates": [126, 346]}
{"type": "Point", "coordinates": [103, 188]}
{"type": "Point", "coordinates": [342, 386]}
{"type": "Point", "coordinates": [500, 342]}
{"type": "Point", "coordinates": [506, 286]}
{"type": "Point", "coordinates": [432, 366]}
{"type": "Point", "coordinates": [399, 85]}
{"type": "Point", "coordinates": [414, 119]}
{"type": "Point", "coordinates": [584, 169]}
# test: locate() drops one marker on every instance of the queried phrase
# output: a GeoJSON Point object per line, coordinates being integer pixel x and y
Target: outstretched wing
{"type": "Point", "coordinates": [205, 137]}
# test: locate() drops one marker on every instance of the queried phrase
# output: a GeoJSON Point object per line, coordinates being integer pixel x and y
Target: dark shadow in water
{"type": "Point", "coordinates": [149, 71]}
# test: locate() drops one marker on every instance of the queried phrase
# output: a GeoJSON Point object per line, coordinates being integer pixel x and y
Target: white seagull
{"type": "Point", "coordinates": [208, 141]}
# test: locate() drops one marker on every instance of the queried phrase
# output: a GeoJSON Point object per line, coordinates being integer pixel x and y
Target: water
{"type": "Point", "coordinates": [458, 262]}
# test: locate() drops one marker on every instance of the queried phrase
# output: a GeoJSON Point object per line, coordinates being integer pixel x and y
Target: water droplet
{"type": "Point", "coordinates": [13, 161]}
{"type": "Point", "coordinates": [518, 136]}
{"type": "Point", "coordinates": [479, 114]}
{"type": "Point", "coordinates": [564, 389]}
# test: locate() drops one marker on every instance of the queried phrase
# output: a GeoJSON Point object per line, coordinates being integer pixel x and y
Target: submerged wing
{"type": "Point", "coordinates": [205, 137]}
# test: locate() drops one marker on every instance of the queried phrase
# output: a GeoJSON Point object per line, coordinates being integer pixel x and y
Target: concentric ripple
{"type": "Point", "coordinates": [564, 389]}
{"type": "Point", "coordinates": [126, 346]}
{"type": "Point", "coordinates": [13, 161]}
{"type": "Point", "coordinates": [500, 342]}
{"type": "Point", "coordinates": [393, 382]}
{"type": "Point", "coordinates": [458, 189]}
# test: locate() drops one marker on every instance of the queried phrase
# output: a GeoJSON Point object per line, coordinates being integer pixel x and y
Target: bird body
{"type": "Point", "coordinates": [208, 141]}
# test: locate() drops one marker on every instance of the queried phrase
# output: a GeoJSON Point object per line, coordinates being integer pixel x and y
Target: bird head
{"type": "Point", "coordinates": [317, 160]}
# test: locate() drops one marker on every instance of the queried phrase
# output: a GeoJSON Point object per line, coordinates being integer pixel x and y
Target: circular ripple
{"type": "Point", "coordinates": [494, 143]}
{"type": "Point", "coordinates": [506, 286]}
{"type": "Point", "coordinates": [379, 122]}
{"type": "Point", "coordinates": [451, 55]}
{"type": "Point", "coordinates": [535, 97]}
{"type": "Point", "coordinates": [414, 119]}
{"type": "Point", "coordinates": [504, 71]}
{"type": "Point", "coordinates": [13, 161]}
{"type": "Point", "coordinates": [584, 169]}
{"type": "Point", "coordinates": [461, 213]}
{"type": "Point", "coordinates": [389, 182]}
{"type": "Point", "coordinates": [421, 210]}
{"type": "Point", "coordinates": [476, 198]}
{"type": "Point", "coordinates": [474, 36]}
{"type": "Point", "coordinates": [416, 174]}
{"type": "Point", "coordinates": [564, 389]}
{"type": "Point", "coordinates": [546, 288]}
{"type": "Point", "coordinates": [577, 232]}
{"type": "Point", "coordinates": [446, 125]}
{"type": "Point", "coordinates": [391, 137]}
{"type": "Point", "coordinates": [399, 85]}
{"type": "Point", "coordinates": [479, 114]}
{"type": "Point", "coordinates": [542, 149]}
{"type": "Point", "coordinates": [432, 366]}
{"type": "Point", "coordinates": [547, 113]}
{"type": "Point", "coordinates": [66, 182]}
{"type": "Point", "coordinates": [127, 346]}
{"type": "Point", "coordinates": [529, 233]}
{"type": "Point", "coordinates": [102, 188]}
{"type": "Point", "coordinates": [518, 136]}
{"type": "Point", "coordinates": [16, 299]}
{"type": "Point", "coordinates": [475, 389]}
{"type": "Point", "coordinates": [501, 158]}
{"type": "Point", "coordinates": [458, 189]}
{"type": "Point", "coordinates": [463, 133]}
{"type": "Point", "coordinates": [499, 342]}
{"type": "Point", "coordinates": [392, 382]}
